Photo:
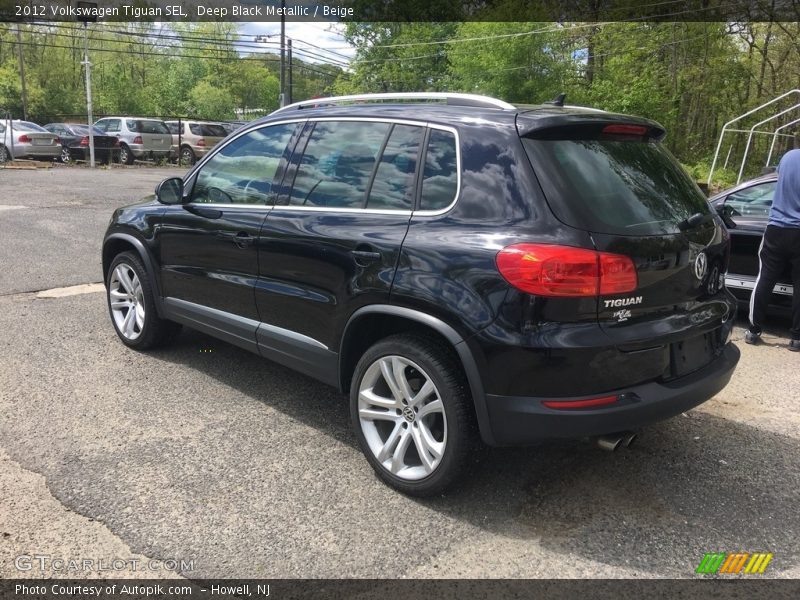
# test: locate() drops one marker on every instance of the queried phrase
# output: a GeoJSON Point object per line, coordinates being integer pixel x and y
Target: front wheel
{"type": "Point", "coordinates": [131, 304]}
{"type": "Point", "coordinates": [411, 413]}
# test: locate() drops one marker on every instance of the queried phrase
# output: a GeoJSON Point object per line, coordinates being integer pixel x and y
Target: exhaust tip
{"type": "Point", "coordinates": [629, 439]}
{"type": "Point", "coordinates": [608, 443]}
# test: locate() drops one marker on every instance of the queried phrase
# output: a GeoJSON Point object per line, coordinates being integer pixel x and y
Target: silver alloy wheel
{"type": "Point", "coordinates": [66, 157]}
{"type": "Point", "coordinates": [402, 417]}
{"type": "Point", "coordinates": [124, 155]}
{"type": "Point", "coordinates": [187, 156]}
{"type": "Point", "coordinates": [126, 299]}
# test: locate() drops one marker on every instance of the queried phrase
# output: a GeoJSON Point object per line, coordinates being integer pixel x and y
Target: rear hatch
{"type": "Point", "coordinates": [612, 178]}
{"type": "Point", "coordinates": [155, 134]}
{"type": "Point", "coordinates": [210, 134]}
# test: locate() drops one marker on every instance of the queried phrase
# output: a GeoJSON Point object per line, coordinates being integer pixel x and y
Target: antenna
{"type": "Point", "coordinates": [558, 100]}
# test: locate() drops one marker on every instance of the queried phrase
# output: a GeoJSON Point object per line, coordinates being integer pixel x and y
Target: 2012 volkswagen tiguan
{"type": "Point", "coordinates": [460, 266]}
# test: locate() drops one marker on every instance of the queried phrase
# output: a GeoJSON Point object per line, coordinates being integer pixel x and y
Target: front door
{"type": "Point", "coordinates": [208, 247]}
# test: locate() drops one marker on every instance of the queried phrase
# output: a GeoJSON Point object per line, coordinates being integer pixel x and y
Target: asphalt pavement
{"type": "Point", "coordinates": [204, 453]}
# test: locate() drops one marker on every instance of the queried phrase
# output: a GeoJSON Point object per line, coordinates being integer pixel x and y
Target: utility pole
{"type": "Point", "coordinates": [283, 54]}
{"type": "Point", "coordinates": [88, 71]}
{"type": "Point", "coordinates": [22, 75]}
{"type": "Point", "coordinates": [289, 78]}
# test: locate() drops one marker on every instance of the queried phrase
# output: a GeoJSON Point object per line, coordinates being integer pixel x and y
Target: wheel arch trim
{"type": "Point", "coordinates": [144, 254]}
{"type": "Point", "coordinates": [459, 344]}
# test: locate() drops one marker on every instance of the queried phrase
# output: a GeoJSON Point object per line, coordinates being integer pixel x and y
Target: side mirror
{"type": "Point", "coordinates": [725, 212]}
{"type": "Point", "coordinates": [170, 191]}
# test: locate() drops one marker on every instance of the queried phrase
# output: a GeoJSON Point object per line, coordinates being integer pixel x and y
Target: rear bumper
{"type": "Point", "coordinates": [518, 420]}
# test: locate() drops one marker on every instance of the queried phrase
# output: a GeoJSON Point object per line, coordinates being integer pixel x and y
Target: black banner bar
{"type": "Point", "coordinates": [399, 10]}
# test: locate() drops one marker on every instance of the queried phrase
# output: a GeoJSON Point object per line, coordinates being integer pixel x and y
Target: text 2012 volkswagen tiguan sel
{"type": "Point", "coordinates": [459, 267]}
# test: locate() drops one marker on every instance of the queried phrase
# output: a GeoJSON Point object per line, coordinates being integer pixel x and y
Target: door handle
{"type": "Point", "coordinates": [242, 239]}
{"type": "Point", "coordinates": [365, 257]}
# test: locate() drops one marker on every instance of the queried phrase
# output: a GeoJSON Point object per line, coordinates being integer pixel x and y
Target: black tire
{"type": "Point", "coordinates": [5, 155]}
{"type": "Point", "coordinates": [186, 156]}
{"type": "Point", "coordinates": [155, 330]}
{"type": "Point", "coordinates": [440, 364]}
{"type": "Point", "coordinates": [125, 155]}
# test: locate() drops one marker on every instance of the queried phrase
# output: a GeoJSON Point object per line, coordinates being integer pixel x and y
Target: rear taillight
{"type": "Point", "coordinates": [549, 270]}
{"type": "Point", "coordinates": [84, 141]}
{"type": "Point", "coordinates": [116, 142]}
{"type": "Point", "coordinates": [201, 142]}
{"type": "Point", "coordinates": [56, 141]}
{"type": "Point", "coordinates": [137, 139]}
{"type": "Point", "coordinates": [24, 139]}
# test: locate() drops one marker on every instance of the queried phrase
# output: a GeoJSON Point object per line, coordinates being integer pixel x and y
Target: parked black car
{"type": "Point", "coordinates": [75, 142]}
{"type": "Point", "coordinates": [525, 272]}
{"type": "Point", "coordinates": [748, 205]}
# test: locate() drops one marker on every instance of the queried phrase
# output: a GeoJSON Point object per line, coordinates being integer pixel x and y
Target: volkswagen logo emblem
{"type": "Point", "coordinates": [408, 414]}
{"type": "Point", "coordinates": [700, 265]}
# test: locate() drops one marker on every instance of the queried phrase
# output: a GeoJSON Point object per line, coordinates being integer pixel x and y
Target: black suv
{"type": "Point", "coordinates": [457, 264]}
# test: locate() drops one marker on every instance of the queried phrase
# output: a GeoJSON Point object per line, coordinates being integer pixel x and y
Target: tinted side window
{"type": "Point", "coordinates": [112, 125]}
{"type": "Point", "coordinates": [393, 186]}
{"type": "Point", "coordinates": [440, 177]}
{"type": "Point", "coordinates": [754, 201]}
{"type": "Point", "coordinates": [337, 164]}
{"type": "Point", "coordinates": [242, 171]}
{"type": "Point", "coordinates": [173, 128]}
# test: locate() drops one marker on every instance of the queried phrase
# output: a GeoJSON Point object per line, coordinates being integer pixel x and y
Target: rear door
{"type": "Point", "coordinates": [634, 199]}
{"type": "Point", "coordinates": [332, 242]}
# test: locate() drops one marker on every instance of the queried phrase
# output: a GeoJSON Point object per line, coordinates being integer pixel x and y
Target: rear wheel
{"type": "Point", "coordinates": [66, 157]}
{"type": "Point", "coordinates": [131, 304]}
{"type": "Point", "coordinates": [187, 156]}
{"type": "Point", "coordinates": [411, 412]}
{"type": "Point", "coordinates": [5, 155]}
{"type": "Point", "coordinates": [125, 155]}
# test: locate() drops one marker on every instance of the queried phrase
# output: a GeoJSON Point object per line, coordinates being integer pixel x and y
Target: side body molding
{"type": "Point", "coordinates": [451, 335]}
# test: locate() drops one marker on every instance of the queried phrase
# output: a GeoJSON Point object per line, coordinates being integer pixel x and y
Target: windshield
{"type": "Point", "coordinates": [626, 187]}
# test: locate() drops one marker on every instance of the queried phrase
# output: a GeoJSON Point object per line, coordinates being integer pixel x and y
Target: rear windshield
{"type": "Point", "coordinates": [625, 187]}
{"type": "Point", "coordinates": [27, 126]}
{"type": "Point", "coordinates": [84, 130]}
{"type": "Point", "coordinates": [143, 126]}
{"type": "Point", "coordinates": [207, 129]}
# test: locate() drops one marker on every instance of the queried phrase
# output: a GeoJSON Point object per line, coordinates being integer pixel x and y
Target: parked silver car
{"type": "Point", "coordinates": [195, 139]}
{"type": "Point", "coordinates": [139, 138]}
{"type": "Point", "coordinates": [23, 139]}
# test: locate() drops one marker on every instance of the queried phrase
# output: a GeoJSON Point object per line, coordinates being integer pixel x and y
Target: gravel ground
{"type": "Point", "coordinates": [206, 453]}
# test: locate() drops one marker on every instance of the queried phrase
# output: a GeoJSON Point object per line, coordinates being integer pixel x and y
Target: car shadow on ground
{"type": "Point", "coordinates": [694, 484]}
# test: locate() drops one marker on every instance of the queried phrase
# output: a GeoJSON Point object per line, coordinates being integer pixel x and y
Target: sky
{"type": "Point", "coordinates": [324, 35]}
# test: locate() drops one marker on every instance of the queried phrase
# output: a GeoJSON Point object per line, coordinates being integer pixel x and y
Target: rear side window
{"type": "Point", "coordinates": [440, 174]}
{"type": "Point", "coordinates": [143, 126]}
{"type": "Point", "coordinates": [337, 164]}
{"type": "Point", "coordinates": [624, 187]}
{"type": "Point", "coordinates": [393, 186]}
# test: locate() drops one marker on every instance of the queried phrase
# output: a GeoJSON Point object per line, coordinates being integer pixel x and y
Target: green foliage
{"type": "Point", "coordinates": [183, 69]}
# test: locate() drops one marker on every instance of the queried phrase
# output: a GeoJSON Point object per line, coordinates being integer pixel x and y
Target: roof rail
{"type": "Point", "coordinates": [453, 99]}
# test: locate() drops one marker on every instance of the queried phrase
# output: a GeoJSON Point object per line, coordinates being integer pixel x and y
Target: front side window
{"type": "Point", "coordinates": [243, 170]}
{"type": "Point", "coordinates": [440, 175]}
{"type": "Point", "coordinates": [754, 201]}
{"type": "Point", "coordinates": [112, 125]}
{"type": "Point", "coordinates": [337, 164]}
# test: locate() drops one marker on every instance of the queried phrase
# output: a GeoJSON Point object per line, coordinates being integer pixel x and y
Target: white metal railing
{"type": "Point", "coordinates": [739, 118]}
{"type": "Point", "coordinates": [462, 99]}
